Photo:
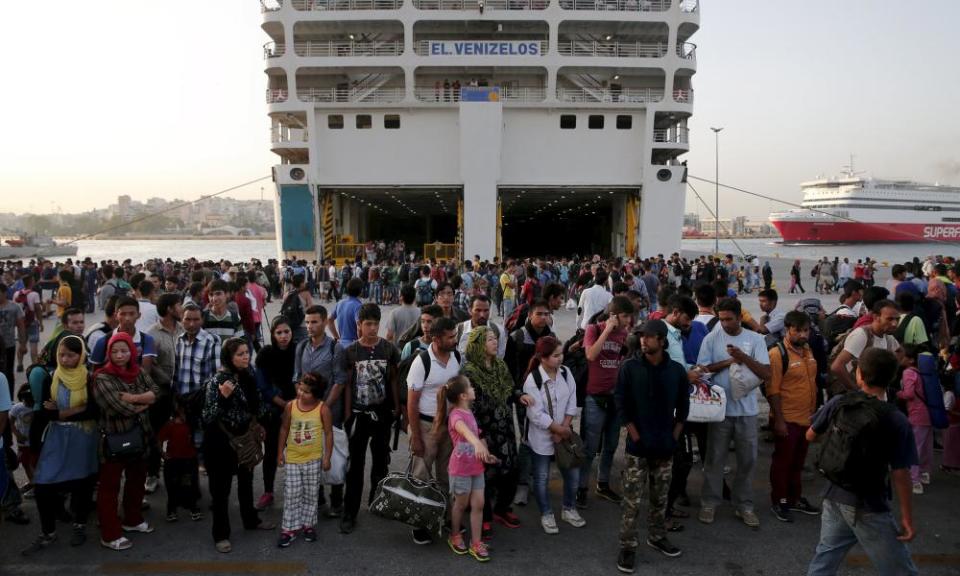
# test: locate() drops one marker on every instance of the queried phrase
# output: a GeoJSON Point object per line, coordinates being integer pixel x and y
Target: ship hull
{"type": "Point", "coordinates": [852, 232]}
{"type": "Point", "coordinates": [8, 252]}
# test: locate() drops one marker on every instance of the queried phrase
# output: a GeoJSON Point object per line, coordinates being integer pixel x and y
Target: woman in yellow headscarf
{"type": "Point", "coordinates": [68, 459]}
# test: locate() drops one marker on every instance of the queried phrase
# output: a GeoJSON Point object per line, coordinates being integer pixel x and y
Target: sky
{"type": "Point", "coordinates": [167, 99]}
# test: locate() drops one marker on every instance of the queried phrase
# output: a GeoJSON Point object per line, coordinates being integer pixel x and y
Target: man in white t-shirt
{"type": "Point", "coordinates": [877, 334]}
{"type": "Point", "coordinates": [594, 299]}
{"type": "Point", "coordinates": [480, 316]}
{"type": "Point", "coordinates": [430, 450]}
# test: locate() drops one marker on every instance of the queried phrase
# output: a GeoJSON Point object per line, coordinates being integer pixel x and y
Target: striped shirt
{"type": "Point", "coordinates": [196, 361]}
{"type": "Point", "coordinates": [223, 327]}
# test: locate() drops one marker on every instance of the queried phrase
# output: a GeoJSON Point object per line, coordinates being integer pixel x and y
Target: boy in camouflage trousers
{"type": "Point", "coordinates": [652, 402]}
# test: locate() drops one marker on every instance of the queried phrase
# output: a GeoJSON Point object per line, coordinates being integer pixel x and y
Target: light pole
{"type": "Point", "coordinates": [716, 183]}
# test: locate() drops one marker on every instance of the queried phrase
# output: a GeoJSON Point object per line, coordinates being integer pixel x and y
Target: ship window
{"type": "Point", "coordinates": [364, 122]}
{"type": "Point", "coordinates": [335, 121]}
{"type": "Point", "coordinates": [624, 122]}
{"type": "Point", "coordinates": [595, 122]}
{"type": "Point", "coordinates": [568, 121]}
{"type": "Point", "coordinates": [391, 121]}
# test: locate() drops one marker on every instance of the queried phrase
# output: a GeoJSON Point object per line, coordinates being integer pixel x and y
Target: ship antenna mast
{"type": "Point", "coordinates": [850, 169]}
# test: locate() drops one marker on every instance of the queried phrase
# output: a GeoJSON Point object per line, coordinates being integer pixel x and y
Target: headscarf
{"type": "Point", "coordinates": [74, 379]}
{"type": "Point", "coordinates": [128, 373]}
{"type": "Point", "coordinates": [937, 290]}
{"type": "Point", "coordinates": [493, 380]}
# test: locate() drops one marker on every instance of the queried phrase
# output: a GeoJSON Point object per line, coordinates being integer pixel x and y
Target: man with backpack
{"type": "Point", "coordinates": [426, 287]}
{"type": "Point", "coordinates": [605, 345]}
{"type": "Point", "coordinates": [429, 371]}
{"type": "Point", "coordinates": [345, 315]}
{"type": "Point", "coordinates": [29, 301]}
{"type": "Point", "coordinates": [866, 442]}
{"type": "Point", "coordinates": [293, 309]}
{"type": "Point", "coordinates": [792, 395]}
{"type": "Point", "coordinates": [878, 334]}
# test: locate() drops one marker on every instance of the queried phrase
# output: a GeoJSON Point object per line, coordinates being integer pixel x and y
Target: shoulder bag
{"type": "Point", "coordinates": [247, 446]}
{"type": "Point", "coordinates": [569, 452]}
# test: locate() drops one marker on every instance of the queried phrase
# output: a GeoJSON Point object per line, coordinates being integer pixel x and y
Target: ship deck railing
{"type": "Point", "coordinates": [617, 5]}
{"type": "Point", "coordinates": [307, 5]}
{"type": "Point", "coordinates": [613, 49]}
{"type": "Point", "coordinates": [348, 48]}
{"type": "Point", "coordinates": [480, 5]}
{"type": "Point", "coordinates": [674, 136]}
{"type": "Point", "coordinates": [610, 96]}
{"type": "Point", "coordinates": [385, 95]}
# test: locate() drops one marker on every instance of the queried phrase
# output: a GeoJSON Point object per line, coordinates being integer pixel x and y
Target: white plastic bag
{"type": "Point", "coordinates": [571, 305]}
{"type": "Point", "coordinates": [742, 381]}
{"type": "Point", "coordinates": [339, 460]}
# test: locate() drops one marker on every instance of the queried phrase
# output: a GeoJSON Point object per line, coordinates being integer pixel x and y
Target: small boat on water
{"type": "Point", "coordinates": [28, 246]}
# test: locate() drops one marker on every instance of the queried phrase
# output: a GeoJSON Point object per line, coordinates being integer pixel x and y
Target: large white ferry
{"type": "Point", "coordinates": [492, 127]}
{"type": "Point", "coordinates": [855, 209]}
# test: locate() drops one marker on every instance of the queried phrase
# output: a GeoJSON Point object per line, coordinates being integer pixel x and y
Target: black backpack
{"type": "Point", "coordinates": [292, 309]}
{"type": "Point", "coordinates": [852, 454]}
{"type": "Point", "coordinates": [424, 288]}
{"type": "Point", "coordinates": [403, 368]}
{"type": "Point", "coordinates": [576, 363]}
{"type": "Point", "coordinates": [833, 325]}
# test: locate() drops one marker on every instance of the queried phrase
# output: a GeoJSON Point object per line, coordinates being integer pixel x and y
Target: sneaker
{"type": "Point", "coordinates": [626, 560]}
{"type": "Point", "coordinates": [573, 518]}
{"type": "Point", "coordinates": [421, 536]}
{"type": "Point", "coordinates": [79, 535]}
{"type": "Point", "coordinates": [309, 534]}
{"type": "Point", "coordinates": [27, 492]}
{"type": "Point", "coordinates": [347, 524]}
{"type": "Point", "coordinates": [120, 543]}
{"type": "Point", "coordinates": [480, 552]}
{"type": "Point", "coordinates": [749, 518]}
{"type": "Point", "coordinates": [707, 515]}
{"type": "Point", "coordinates": [265, 501]}
{"type": "Point", "coordinates": [223, 546]}
{"type": "Point", "coordinates": [523, 493]}
{"type": "Point", "coordinates": [41, 543]}
{"type": "Point", "coordinates": [664, 546]}
{"type": "Point", "coordinates": [172, 517]}
{"type": "Point", "coordinates": [456, 543]}
{"type": "Point", "coordinates": [142, 527]}
{"type": "Point", "coordinates": [782, 512]}
{"type": "Point", "coordinates": [286, 539]}
{"type": "Point", "coordinates": [805, 507]}
{"type": "Point", "coordinates": [924, 477]}
{"type": "Point", "coordinates": [604, 491]}
{"type": "Point", "coordinates": [582, 498]}
{"type": "Point", "coordinates": [549, 524]}
{"type": "Point", "coordinates": [196, 515]}
{"type": "Point", "coordinates": [917, 488]}
{"type": "Point", "coordinates": [508, 519]}
{"type": "Point", "coordinates": [150, 486]}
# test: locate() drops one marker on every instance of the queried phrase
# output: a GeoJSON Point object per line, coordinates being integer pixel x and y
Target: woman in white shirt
{"type": "Point", "coordinates": [549, 421]}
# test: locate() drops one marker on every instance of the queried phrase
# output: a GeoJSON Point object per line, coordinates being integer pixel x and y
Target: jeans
{"type": "Point", "coordinates": [508, 306]}
{"type": "Point", "coordinates": [743, 430]}
{"type": "Point", "coordinates": [600, 426]}
{"type": "Point", "coordinates": [842, 526]}
{"type": "Point", "coordinates": [541, 475]}
{"type": "Point", "coordinates": [369, 429]}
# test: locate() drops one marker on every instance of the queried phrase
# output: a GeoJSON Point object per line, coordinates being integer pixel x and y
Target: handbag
{"type": "Point", "coordinates": [569, 452]}
{"type": "Point", "coordinates": [414, 501]}
{"type": "Point", "coordinates": [247, 446]}
{"type": "Point", "coordinates": [708, 403]}
{"type": "Point", "coordinates": [339, 460]}
{"type": "Point", "coordinates": [124, 445]}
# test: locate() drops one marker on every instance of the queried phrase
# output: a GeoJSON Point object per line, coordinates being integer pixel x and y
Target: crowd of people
{"type": "Point", "coordinates": [185, 377]}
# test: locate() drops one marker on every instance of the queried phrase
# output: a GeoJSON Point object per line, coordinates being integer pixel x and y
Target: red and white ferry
{"type": "Point", "coordinates": [855, 209]}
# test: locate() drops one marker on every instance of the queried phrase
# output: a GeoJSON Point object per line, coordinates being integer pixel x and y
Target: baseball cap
{"type": "Point", "coordinates": [653, 328]}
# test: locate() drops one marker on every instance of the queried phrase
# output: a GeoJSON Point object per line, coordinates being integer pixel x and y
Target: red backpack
{"type": "Point", "coordinates": [22, 298]}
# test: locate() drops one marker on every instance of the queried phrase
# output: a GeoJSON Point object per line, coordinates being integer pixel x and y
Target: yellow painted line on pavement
{"type": "Point", "coordinates": [918, 559]}
{"type": "Point", "coordinates": [175, 567]}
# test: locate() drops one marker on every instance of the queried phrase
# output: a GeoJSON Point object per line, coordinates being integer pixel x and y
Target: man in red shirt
{"type": "Point", "coordinates": [605, 345]}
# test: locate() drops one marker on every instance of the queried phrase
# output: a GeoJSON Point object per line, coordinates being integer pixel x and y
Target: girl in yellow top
{"type": "Point", "coordinates": [306, 443]}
